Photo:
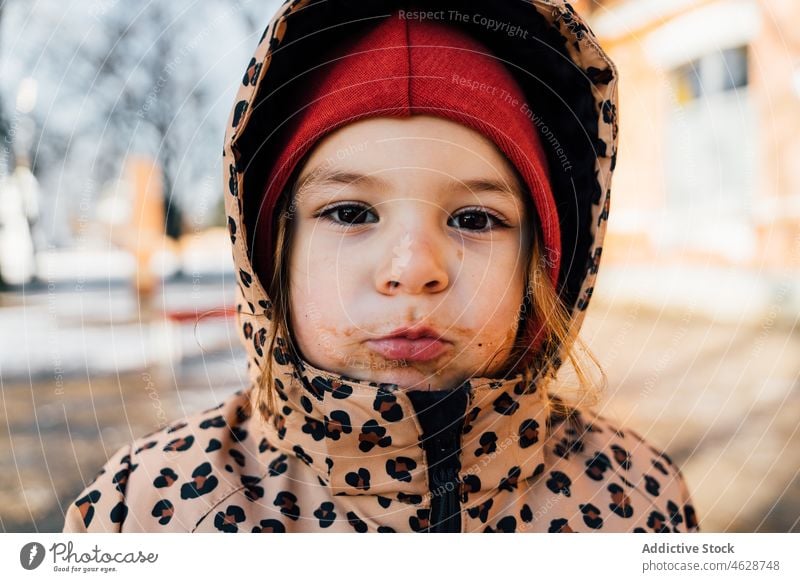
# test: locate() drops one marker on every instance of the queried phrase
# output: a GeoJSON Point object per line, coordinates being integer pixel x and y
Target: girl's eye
{"type": "Point", "coordinates": [347, 214]}
{"type": "Point", "coordinates": [477, 220]}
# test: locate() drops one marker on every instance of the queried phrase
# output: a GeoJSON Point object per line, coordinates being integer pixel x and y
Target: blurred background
{"type": "Point", "coordinates": [116, 281]}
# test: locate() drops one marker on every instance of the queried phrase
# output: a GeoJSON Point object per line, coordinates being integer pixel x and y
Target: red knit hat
{"type": "Point", "coordinates": [404, 67]}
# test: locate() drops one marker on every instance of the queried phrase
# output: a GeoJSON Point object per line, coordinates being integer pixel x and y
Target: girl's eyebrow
{"type": "Point", "coordinates": [501, 187]}
{"type": "Point", "coordinates": [327, 177]}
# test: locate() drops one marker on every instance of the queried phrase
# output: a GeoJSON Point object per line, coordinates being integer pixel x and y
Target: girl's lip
{"type": "Point", "coordinates": [413, 332]}
{"type": "Point", "coordinates": [414, 350]}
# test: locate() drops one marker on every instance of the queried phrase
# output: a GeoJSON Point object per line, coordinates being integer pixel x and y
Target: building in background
{"type": "Point", "coordinates": [709, 116]}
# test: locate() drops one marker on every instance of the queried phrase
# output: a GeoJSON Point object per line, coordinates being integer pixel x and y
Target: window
{"type": "Point", "coordinates": [723, 70]}
{"type": "Point", "coordinates": [710, 155]}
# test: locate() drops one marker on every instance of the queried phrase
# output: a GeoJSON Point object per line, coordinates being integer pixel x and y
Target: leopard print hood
{"type": "Point", "coordinates": [580, 73]}
{"type": "Point", "coordinates": [576, 97]}
{"type": "Point", "coordinates": [347, 455]}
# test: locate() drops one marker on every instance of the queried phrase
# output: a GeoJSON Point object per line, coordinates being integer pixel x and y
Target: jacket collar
{"type": "Point", "coordinates": [365, 438]}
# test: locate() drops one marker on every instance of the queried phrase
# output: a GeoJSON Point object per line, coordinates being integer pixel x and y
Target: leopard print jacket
{"type": "Point", "coordinates": [346, 455]}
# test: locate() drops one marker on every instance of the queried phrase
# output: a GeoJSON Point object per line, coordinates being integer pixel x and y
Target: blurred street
{"type": "Point", "coordinates": [722, 399]}
{"type": "Point", "coordinates": [80, 376]}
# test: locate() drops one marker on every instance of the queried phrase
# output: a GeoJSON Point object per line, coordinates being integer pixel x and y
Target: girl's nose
{"type": "Point", "coordinates": [412, 265]}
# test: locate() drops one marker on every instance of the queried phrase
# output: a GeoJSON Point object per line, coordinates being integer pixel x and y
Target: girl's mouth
{"type": "Point", "coordinates": [414, 350]}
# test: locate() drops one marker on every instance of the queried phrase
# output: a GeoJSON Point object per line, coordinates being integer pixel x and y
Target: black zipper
{"type": "Point", "coordinates": [445, 505]}
{"type": "Point", "coordinates": [441, 416]}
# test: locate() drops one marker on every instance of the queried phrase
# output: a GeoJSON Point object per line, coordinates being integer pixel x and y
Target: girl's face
{"type": "Point", "coordinates": [407, 222]}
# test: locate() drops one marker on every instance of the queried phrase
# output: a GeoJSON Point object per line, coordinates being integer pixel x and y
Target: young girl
{"type": "Point", "coordinates": [417, 198]}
